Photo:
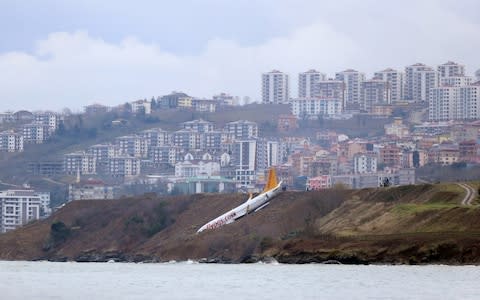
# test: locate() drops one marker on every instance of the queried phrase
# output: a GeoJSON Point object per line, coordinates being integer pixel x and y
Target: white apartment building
{"type": "Point", "coordinates": [45, 209]}
{"type": "Point", "coordinates": [455, 103]}
{"type": "Point", "coordinates": [419, 80]}
{"type": "Point", "coordinates": [242, 129]}
{"type": "Point", "coordinates": [35, 133]}
{"type": "Point", "coordinates": [17, 208]}
{"type": "Point", "coordinates": [309, 107]}
{"type": "Point", "coordinates": [275, 87]}
{"type": "Point", "coordinates": [189, 168]}
{"type": "Point", "coordinates": [142, 106]}
{"type": "Point", "coordinates": [49, 119]}
{"type": "Point", "coordinates": [352, 80]}
{"type": "Point", "coordinates": [374, 92]}
{"type": "Point", "coordinates": [134, 145]}
{"type": "Point", "coordinates": [468, 103]}
{"type": "Point", "coordinates": [124, 166]}
{"type": "Point", "coordinates": [187, 139]}
{"type": "Point", "coordinates": [244, 157]}
{"type": "Point", "coordinates": [156, 137]}
{"type": "Point", "coordinates": [164, 155]}
{"type": "Point", "coordinates": [268, 154]}
{"type": "Point", "coordinates": [451, 69]}
{"type": "Point", "coordinates": [11, 142]}
{"type": "Point", "coordinates": [397, 128]}
{"type": "Point", "coordinates": [199, 126]}
{"type": "Point", "coordinates": [395, 82]}
{"type": "Point", "coordinates": [90, 189]}
{"type": "Point", "coordinates": [102, 152]}
{"type": "Point", "coordinates": [456, 81]}
{"type": "Point", "coordinates": [80, 162]}
{"type": "Point", "coordinates": [365, 163]}
{"type": "Point", "coordinates": [307, 81]}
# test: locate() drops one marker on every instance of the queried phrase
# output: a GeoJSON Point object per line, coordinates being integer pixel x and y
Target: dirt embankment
{"type": "Point", "coordinates": [415, 224]}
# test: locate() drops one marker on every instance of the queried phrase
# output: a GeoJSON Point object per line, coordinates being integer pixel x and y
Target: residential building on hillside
{"type": "Point", "coordinates": [275, 87]}
{"type": "Point", "coordinates": [244, 159]}
{"type": "Point", "coordinates": [451, 69]}
{"type": "Point", "coordinates": [419, 80]}
{"type": "Point", "coordinates": [164, 155]}
{"type": "Point", "coordinates": [242, 129]}
{"type": "Point", "coordinates": [226, 99]}
{"type": "Point", "coordinates": [444, 154]}
{"type": "Point", "coordinates": [456, 81]}
{"type": "Point", "coordinates": [307, 83]}
{"type": "Point", "coordinates": [330, 89]}
{"type": "Point", "coordinates": [313, 107]}
{"type": "Point", "coordinates": [397, 128]}
{"type": "Point", "coordinates": [318, 183]}
{"type": "Point", "coordinates": [287, 123]}
{"type": "Point", "coordinates": [365, 163]}
{"type": "Point", "coordinates": [133, 145]}
{"type": "Point", "coordinates": [95, 109]}
{"type": "Point", "coordinates": [7, 117]}
{"type": "Point", "coordinates": [196, 168]}
{"type": "Point", "coordinates": [187, 139]}
{"type": "Point", "coordinates": [394, 79]}
{"type": "Point", "coordinates": [35, 133]}
{"type": "Point", "coordinates": [141, 107]}
{"type": "Point", "coordinates": [80, 163]}
{"type": "Point", "coordinates": [18, 207]}
{"type": "Point", "coordinates": [49, 119]}
{"type": "Point", "coordinates": [47, 168]}
{"type": "Point", "coordinates": [455, 103]}
{"type": "Point", "coordinates": [171, 100]}
{"type": "Point", "coordinates": [124, 166]}
{"type": "Point", "coordinates": [204, 105]}
{"type": "Point", "coordinates": [212, 141]}
{"type": "Point", "coordinates": [11, 141]}
{"type": "Point", "coordinates": [269, 154]}
{"type": "Point", "coordinates": [156, 137]}
{"type": "Point", "coordinates": [90, 189]}
{"type": "Point", "coordinates": [353, 81]}
{"type": "Point", "coordinates": [199, 125]}
{"type": "Point", "coordinates": [374, 92]}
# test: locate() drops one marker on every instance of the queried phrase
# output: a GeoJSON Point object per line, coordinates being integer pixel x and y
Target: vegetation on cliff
{"type": "Point", "coordinates": [409, 224]}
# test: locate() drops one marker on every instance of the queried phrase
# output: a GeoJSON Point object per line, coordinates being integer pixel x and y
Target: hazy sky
{"type": "Point", "coordinates": [63, 53]}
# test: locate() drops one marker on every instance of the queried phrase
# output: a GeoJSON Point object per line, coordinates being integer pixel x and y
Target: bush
{"type": "Point", "coordinates": [159, 220]}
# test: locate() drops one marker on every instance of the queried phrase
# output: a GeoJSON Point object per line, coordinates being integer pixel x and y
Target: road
{"type": "Point", "coordinates": [9, 184]}
{"type": "Point", "coordinates": [470, 194]}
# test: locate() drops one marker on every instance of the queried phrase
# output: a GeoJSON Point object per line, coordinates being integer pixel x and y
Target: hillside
{"type": "Point", "coordinates": [410, 224]}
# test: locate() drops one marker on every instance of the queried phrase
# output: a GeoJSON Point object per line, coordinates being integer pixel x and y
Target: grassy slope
{"type": "Point", "coordinates": [409, 224]}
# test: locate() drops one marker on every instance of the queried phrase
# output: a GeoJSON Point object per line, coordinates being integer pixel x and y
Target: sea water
{"type": "Point", "coordinates": [189, 280]}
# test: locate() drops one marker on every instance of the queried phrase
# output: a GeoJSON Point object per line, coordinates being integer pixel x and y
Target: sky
{"type": "Point", "coordinates": [57, 54]}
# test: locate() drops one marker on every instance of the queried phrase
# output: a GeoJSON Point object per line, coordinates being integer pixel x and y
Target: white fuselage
{"type": "Point", "coordinates": [245, 208]}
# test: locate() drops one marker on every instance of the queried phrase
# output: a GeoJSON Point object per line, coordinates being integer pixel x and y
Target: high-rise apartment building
{"type": "Point", "coordinates": [451, 69]}
{"type": "Point", "coordinates": [419, 80]}
{"type": "Point", "coordinates": [242, 129]}
{"type": "Point", "coordinates": [275, 87]}
{"type": "Point", "coordinates": [395, 82]}
{"type": "Point", "coordinates": [330, 89]}
{"type": "Point", "coordinates": [244, 157]}
{"type": "Point", "coordinates": [17, 208]}
{"type": "Point", "coordinates": [374, 92]}
{"type": "Point", "coordinates": [352, 80]}
{"type": "Point", "coordinates": [307, 81]}
{"type": "Point", "coordinates": [455, 103]}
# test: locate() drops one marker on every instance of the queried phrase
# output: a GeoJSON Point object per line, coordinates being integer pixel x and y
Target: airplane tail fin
{"type": "Point", "coordinates": [271, 181]}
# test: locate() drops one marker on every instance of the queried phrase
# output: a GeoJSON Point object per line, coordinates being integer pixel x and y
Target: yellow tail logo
{"type": "Point", "coordinates": [271, 181]}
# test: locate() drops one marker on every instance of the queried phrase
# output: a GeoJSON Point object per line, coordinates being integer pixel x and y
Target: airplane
{"type": "Point", "coordinates": [253, 204]}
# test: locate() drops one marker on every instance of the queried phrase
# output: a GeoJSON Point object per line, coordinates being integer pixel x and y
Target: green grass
{"type": "Point", "coordinates": [409, 208]}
